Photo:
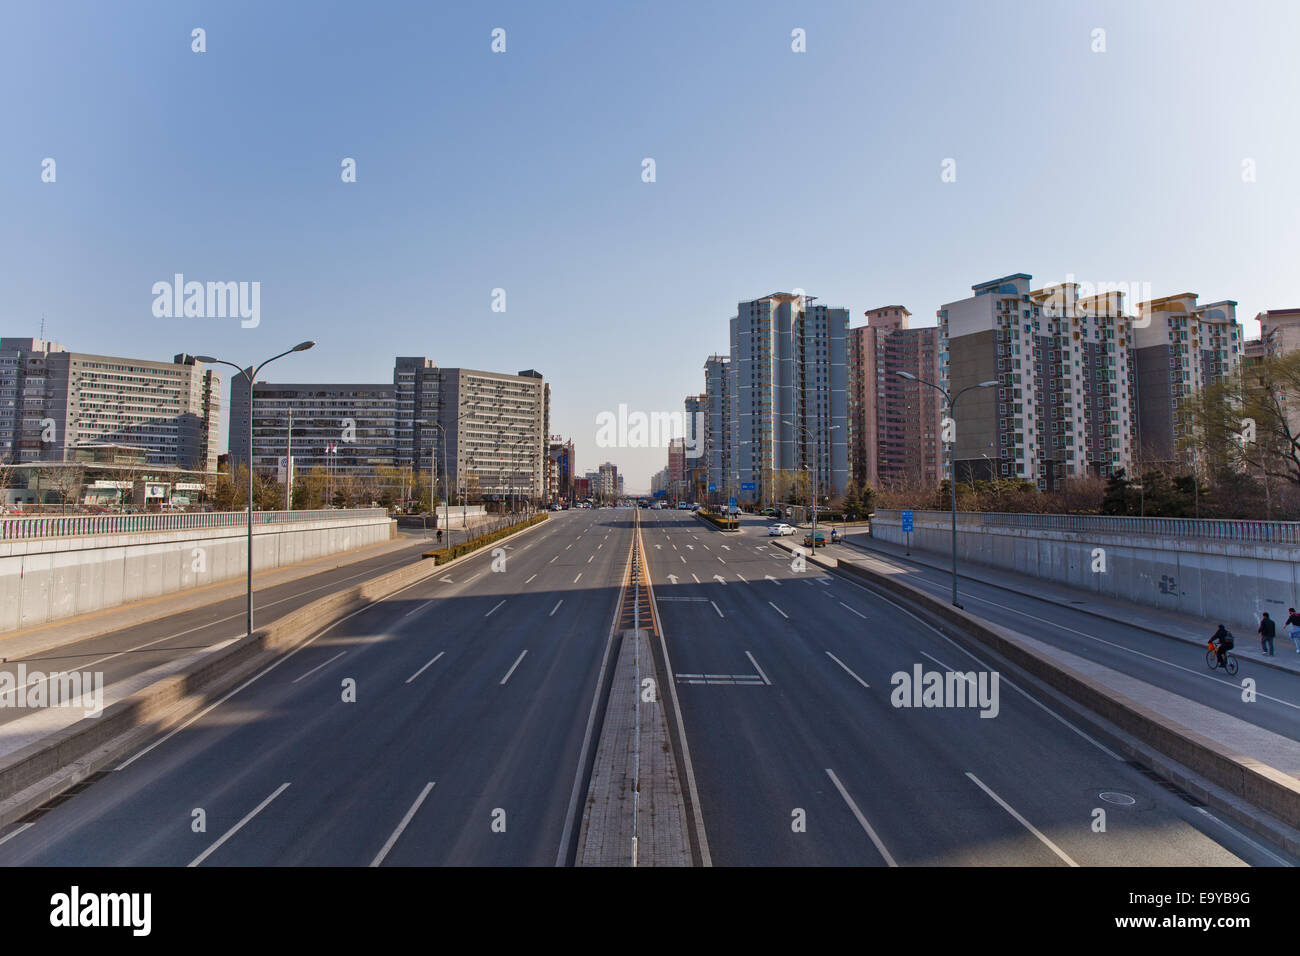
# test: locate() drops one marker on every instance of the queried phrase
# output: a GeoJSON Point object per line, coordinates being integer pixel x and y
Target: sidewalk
{"type": "Point", "coordinates": [1183, 627]}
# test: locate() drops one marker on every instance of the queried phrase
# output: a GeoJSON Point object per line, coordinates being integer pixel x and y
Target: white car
{"type": "Point", "coordinates": [778, 530]}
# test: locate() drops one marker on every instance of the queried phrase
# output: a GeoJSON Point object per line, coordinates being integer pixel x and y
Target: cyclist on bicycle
{"type": "Point", "coordinates": [1223, 642]}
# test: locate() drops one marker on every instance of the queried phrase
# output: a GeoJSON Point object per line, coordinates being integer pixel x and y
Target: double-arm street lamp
{"type": "Point", "coordinates": [817, 463]}
{"type": "Point", "coordinates": [250, 373]}
{"type": "Point", "coordinates": [950, 401]}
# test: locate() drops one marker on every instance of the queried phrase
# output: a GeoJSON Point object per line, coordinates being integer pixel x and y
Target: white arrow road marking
{"type": "Point", "coordinates": [672, 578]}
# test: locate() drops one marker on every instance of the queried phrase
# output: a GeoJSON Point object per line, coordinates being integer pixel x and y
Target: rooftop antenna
{"type": "Point", "coordinates": [42, 326]}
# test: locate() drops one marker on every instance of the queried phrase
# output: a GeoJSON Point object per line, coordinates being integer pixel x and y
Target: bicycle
{"type": "Point", "coordinates": [1229, 659]}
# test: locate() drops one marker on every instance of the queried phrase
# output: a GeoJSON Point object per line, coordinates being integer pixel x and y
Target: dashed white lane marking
{"type": "Point", "coordinates": [889, 860]}
{"type": "Point", "coordinates": [530, 580]}
{"type": "Point", "coordinates": [575, 580]}
{"type": "Point", "coordinates": [379, 858]}
{"type": "Point", "coordinates": [1023, 822]}
{"type": "Point", "coordinates": [715, 607]}
{"type": "Point", "coordinates": [757, 668]}
{"type": "Point", "coordinates": [425, 667]}
{"type": "Point", "coordinates": [490, 613]}
{"type": "Point", "coordinates": [238, 826]}
{"type": "Point", "coordinates": [318, 667]}
{"type": "Point", "coordinates": [854, 610]}
{"type": "Point", "coordinates": [556, 608]}
{"type": "Point", "coordinates": [847, 671]}
{"type": "Point", "coordinates": [513, 666]}
{"type": "Point", "coordinates": [779, 611]}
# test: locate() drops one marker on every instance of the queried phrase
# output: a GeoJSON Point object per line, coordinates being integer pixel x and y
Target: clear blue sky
{"type": "Point", "coordinates": [522, 170]}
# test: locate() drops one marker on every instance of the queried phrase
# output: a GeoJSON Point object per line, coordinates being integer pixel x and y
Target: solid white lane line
{"type": "Point", "coordinates": [556, 608]}
{"type": "Point", "coordinates": [779, 611]}
{"type": "Point", "coordinates": [9, 836]}
{"type": "Point", "coordinates": [414, 610]}
{"type": "Point", "coordinates": [847, 670]}
{"type": "Point", "coordinates": [757, 668]}
{"type": "Point", "coordinates": [318, 667]}
{"type": "Point", "coordinates": [513, 666]}
{"type": "Point", "coordinates": [425, 667]}
{"type": "Point", "coordinates": [1025, 823]}
{"type": "Point", "coordinates": [846, 607]}
{"type": "Point", "coordinates": [575, 580]}
{"type": "Point", "coordinates": [715, 607]}
{"type": "Point", "coordinates": [889, 860]}
{"type": "Point", "coordinates": [489, 613]}
{"type": "Point", "coordinates": [402, 826]}
{"type": "Point", "coordinates": [238, 826]}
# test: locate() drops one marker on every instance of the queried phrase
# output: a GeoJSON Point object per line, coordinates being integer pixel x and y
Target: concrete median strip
{"type": "Point", "coordinates": [34, 774]}
{"type": "Point", "coordinates": [1102, 691]}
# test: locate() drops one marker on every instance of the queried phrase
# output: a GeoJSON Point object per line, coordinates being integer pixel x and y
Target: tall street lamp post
{"type": "Point", "coordinates": [817, 462]}
{"type": "Point", "coordinates": [950, 402]}
{"type": "Point", "coordinates": [250, 373]}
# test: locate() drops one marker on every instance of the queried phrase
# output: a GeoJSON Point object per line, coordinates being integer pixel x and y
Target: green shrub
{"type": "Point", "coordinates": [443, 555]}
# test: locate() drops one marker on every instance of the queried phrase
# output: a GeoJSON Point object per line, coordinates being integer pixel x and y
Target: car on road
{"type": "Point", "coordinates": [820, 543]}
{"type": "Point", "coordinates": [770, 513]}
{"type": "Point", "coordinates": [780, 529]}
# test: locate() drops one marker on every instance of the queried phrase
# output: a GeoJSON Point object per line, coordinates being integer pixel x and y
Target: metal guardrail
{"type": "Point", "coordinates": [1218, 529]}
{"type": "Point", "coordinates": [69, 526]}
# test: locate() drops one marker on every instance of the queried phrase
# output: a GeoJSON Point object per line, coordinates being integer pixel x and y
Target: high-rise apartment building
{"type": "Point", "coordinates": [53, 401]}
{"type": "Point", "coordinates": [894, 434]}
{"type": "Point", "coordinates": [1181, 347]}
{"type": "Point", "coordinates": [717, 423]}
{"type": "Point", "coordinates": [789, 396]}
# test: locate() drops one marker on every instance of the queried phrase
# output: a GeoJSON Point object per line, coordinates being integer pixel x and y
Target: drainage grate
{"type": "Point", "coordinates": [1173, 788]}
{"type": "Point", "coordinates": [63, 797]}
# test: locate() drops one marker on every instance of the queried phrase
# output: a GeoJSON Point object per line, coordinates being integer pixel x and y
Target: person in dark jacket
{"type": "Point", "coordinates": [1267, 630]}
{"type": "Point", "coordinates": [1292, 624]}
{"type": "Point", "coordinates": [1223, 643]}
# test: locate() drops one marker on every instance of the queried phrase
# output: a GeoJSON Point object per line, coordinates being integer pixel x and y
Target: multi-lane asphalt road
{"type": "Point", "coordinates": [785, 683]}
{"type": "Point", "coordinates": [471, 725]}
{"type": "Point", "coordinates": [472, 693]}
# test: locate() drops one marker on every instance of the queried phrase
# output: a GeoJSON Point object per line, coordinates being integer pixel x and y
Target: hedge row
{"type": "Point", "coordinates": [718, 521]}
{"type": "Point", "coordinates": [443, 555]}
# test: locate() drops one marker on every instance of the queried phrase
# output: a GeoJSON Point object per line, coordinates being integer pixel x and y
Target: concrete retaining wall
{"type": "Point", "coordinates": [48, 579]}
{"type": "Point", "coordinates": [1223, 581]}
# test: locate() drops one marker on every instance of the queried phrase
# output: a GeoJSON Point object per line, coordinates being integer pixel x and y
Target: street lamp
{"type": "Point", "coordinates": [250, 373]}
{"type": "Point", "coordinates": [433, 474]}
{"type": "Point", "coordinates": [950, 402]}
{"type": "Point", "coordinates": [817, 463]}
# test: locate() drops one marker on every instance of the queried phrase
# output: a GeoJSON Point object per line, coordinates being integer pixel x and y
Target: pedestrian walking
{"type": "Point", "coordinates": [1267, 629]}
{"type": "Point", "coordinates": [1293, 628]}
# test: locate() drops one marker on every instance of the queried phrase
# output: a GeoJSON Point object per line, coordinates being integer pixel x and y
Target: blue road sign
{"type": "Point", "coordinates": [907, 521]}
{"type": "Point", "coordinates": [748, 486]}
{"type": "Point", "coordinates": [732, 506]}
{"type": "Point", "coordinates": [713, 486]}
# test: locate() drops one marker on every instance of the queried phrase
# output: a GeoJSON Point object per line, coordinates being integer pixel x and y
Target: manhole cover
{"type": "Point", "coordinates": [1123, 799]}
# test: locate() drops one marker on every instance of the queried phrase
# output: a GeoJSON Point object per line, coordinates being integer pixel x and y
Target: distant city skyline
{"type": "Point", "coordinates": [521, 173]}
